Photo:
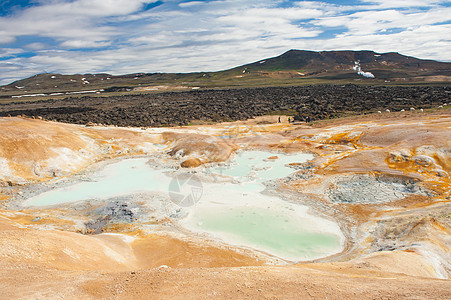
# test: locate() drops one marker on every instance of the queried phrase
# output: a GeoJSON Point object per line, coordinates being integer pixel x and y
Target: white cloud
{"type": "Point", "coordinates": [10, 51]}
{"type": "Point", "coordinates": [84, 44]}
{"type": "Point", "coordinates": [6, 37]}
{"type": "Point", "coordinates": [80, 20]}
{"type": "Point", "coordinates": [86, 8]}
{"type": "Point", "coordinates": [191, 3]}
{"type": "Point", "coordinates": [365, 22]}
{"type": "Point", "coordinates": [404, 3]}
{"type": "Point", "coordinates": [213, 35]}
{"type": "Point", "coordinates": [14, 69]}
{"type": "Point", "coordinates": [35, 46]}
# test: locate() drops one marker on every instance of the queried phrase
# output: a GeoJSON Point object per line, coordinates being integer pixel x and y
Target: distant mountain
{"type": "Point", "coordinates": [344, 60]}
{"type": "Point", "coordinates": [294, 67]}
{"type": "Point", "coordinates": [333, 63]}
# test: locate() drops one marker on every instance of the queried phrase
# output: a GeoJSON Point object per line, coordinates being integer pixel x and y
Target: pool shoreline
{"type": "Point", "coordinates": [102, 165]}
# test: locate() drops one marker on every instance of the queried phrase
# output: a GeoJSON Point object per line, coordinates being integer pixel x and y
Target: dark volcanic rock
{"type": "Point", "coordinates": [114, 212]}
{"type": "Point", "coordinates": [180, 108]}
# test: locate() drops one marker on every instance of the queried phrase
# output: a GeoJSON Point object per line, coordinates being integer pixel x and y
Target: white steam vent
{"type": "Point", "coordinates": [360, 72]}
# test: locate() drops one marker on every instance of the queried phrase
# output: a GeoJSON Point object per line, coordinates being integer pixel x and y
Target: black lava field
{"type": "Point", "coordinates": [181, 108]}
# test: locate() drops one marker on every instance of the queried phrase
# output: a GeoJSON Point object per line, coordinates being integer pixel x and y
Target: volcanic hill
{"type": "Point", "coordinates": [294, 67]}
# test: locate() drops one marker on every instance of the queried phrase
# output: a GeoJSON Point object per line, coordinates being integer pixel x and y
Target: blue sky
{"type": "Point", "coordinates": [128, 36]}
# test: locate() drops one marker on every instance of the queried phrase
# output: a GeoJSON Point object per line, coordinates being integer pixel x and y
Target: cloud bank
{"type": "Point", "coordinates": [127, 36]}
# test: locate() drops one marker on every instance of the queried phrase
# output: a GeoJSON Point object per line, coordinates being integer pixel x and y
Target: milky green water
{"type": "Point", "coordinates": [257, 165]}
{"type": "Point", "coordinates": [235, 212]}
{"type": "Point", "coordinates": [117, 179]}
{"type": "Point", "coordinates": [279, 232]}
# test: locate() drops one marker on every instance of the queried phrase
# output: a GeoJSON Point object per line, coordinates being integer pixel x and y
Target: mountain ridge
{"type": "Point", "coordinates": [368, 58]}
{"type": "Point", "coordinates": [293, 67]}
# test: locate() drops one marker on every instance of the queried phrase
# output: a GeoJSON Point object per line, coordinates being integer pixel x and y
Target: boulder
{"type": "Point", "coordinates": [191, 163]}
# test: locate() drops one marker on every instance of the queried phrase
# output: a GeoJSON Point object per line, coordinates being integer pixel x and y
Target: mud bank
{"type": "Point", "coordinates": [230, 209]}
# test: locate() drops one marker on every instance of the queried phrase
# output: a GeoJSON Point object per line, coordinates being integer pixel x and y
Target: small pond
{"type": "Point", "coordinates": [232, 211]}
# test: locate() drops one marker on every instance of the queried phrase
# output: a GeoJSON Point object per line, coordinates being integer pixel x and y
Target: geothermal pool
{"type": "Point", "coordinates": [232, 210]}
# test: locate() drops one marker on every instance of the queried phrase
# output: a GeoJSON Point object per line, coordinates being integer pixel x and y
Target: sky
{"type": "Point", "coordinates": [131, 36]}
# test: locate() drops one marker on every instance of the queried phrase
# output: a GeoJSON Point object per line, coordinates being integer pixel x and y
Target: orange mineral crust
{"type": "Point", "coordinates": [384, 179]}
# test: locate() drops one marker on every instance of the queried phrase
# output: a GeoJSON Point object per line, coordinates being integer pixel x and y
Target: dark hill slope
{"type": "Point", "coordinates": [294, 67]}
{"type": "Point", "coordinates": [331, 61]}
